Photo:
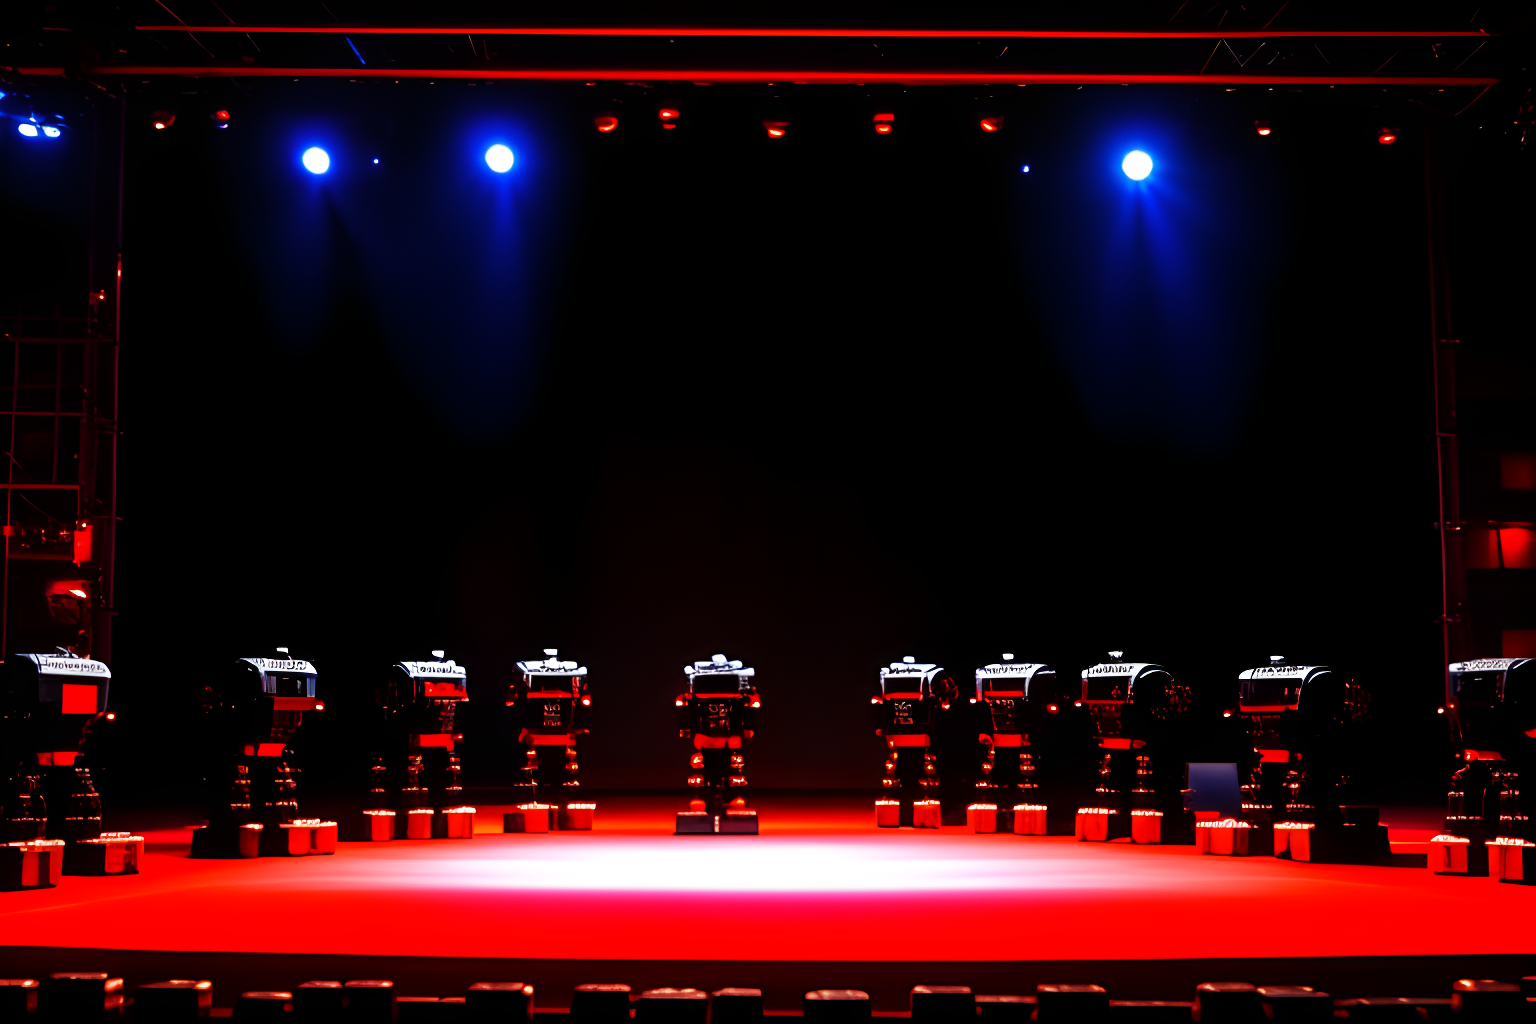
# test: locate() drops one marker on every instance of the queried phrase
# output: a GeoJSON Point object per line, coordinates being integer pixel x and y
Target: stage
{"type": "Point", "coordinates": [821, 898]}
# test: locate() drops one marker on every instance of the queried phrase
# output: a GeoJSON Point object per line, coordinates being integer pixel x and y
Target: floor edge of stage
{"type": "Point", "coordinates": [783, 982]}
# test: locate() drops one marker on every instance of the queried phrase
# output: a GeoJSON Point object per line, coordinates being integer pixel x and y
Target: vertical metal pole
{"type": "Point", "coordinates": [1453, 578]}
{"type": "Point", "coordinates": [10, 480]}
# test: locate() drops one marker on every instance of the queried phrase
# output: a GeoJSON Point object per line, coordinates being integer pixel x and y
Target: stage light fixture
{"type": "Point", "coordinates": [1386, 136]}
{"type": "Point", "coordinates": [316, 160]}
{"type": "Point", "coordinates": [884, 123]}
{"type": "Point", "coordinates": [1262, 127]}
{"type": "Point", "coordinates": [28, 129]}
{"type": "Point", "coordinates": [668, 117]}
{"type": "Point", "coordinates": [776, 129]}
{"type": "Point", "coordinates": [991, 124]}
{"type": "Point", "coordinates": [163, 119]}
{"type": "Point", "coordinates": [220, 118]}
{"type": "Point", "coordinates": [1025, 169]}
{"type": "Point", "coordinates": [606, 123]}
{"type": "Point", "coordinates": [1136, 165]}
{"type": "Point", "coordinates": [499, 158]}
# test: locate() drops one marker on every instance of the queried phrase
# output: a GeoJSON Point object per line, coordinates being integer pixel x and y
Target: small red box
{"type": "Point", "coordinates": [309, 836]}
{"type": "Point", "coordinates": [111, 853]}
{"type": "Point", "coordinates": [1029, 819]}
{"type": "Point", "coordinates": [454, 823]}
{"type": "Point", "coordinates": [418, 823]}
{"type": "Point", "coordinates": [576, 817]}
{"type": "Point", "coordinates": [526, 818]}
{"type": "Point", "coordinates": [1093, 824]}
{"type": "Point", "coordinates": [379, 826]}
{"type": "Point", "coordinates": [925, 814]}
{"type": "Point", "coordinates": [1146, 826]}
{"type": "Point", "coordinates": [982, 818]}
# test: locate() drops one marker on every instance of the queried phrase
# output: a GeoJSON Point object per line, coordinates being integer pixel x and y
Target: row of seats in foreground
{"type": "Point", "coordinates": [80, 997]}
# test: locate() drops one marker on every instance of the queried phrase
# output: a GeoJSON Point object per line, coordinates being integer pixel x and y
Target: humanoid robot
{"type": "Point", "coordinates": [1137, 710]}
{"type": "Point", "coordinates": [253, 711]}
{"type": "Point", "coordinates": [52, 701]}
{"type": "Point", "coordinates": [1020, 702]}
{"type": "Point", "coordinates": [906, 717]}
{"type": "Point", "coordinates": [1297, 717]}
{"type": "Point", "coordinates": [718, 715]}
{"type": "Point", "coordinates": [549, 701]}
{"type": "Point", "coordinates": [420, 700]}
{"type": "Point", "coordinates": [1493, 719]}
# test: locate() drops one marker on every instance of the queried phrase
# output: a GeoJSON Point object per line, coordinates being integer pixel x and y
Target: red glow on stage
{"type": "Point", "coordinates": [1052, 708]}
{"type": "Point", "coordinates": [1386, 136]}
{"type": "Point", "coordinates": [776, 129]}
{"type": "Point", "coordinates": [991, 124]}
{"type": "Point", "coordinates": [883, 123]}
{"type": "Point", "coordinates": [606, 123]}
{"type": "Point", "coordinates": [221, 116]}
{"type": "Point", "coordinates": [163, 119]}
{"type": "Point", "coordinates": [668, 114]}
{"type": "Point", "coordinates": [820, 883]}
{"type": "Point", "coordinates": [1262, 127]}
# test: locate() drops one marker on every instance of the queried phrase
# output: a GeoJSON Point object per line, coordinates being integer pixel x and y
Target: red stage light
{"type": "Point", "coordinates": [164, 119]}
{"type": "Point", "coordinates": [991, 124]}
{"type": "Point", "coordinates": [1439, 711]}
{"type": "Point", "coordinates": [1052, 708]}
{"type": "Point", "coordinates": [111, 716]}
{"type": "Point", "coordinates": [668, 117]}
{"type": "Point", "coordinates": [1386, 136]}
{"type": "Point", "coordinates": [776, 129]}
{"type": "Point", "coordinates": [883, 123]}
{"type": "Point", "coordinates": [1226, 714]}
{"type": "Point", "coordinates": [606, 123]}
{"type": "Point", "coordinates": [1262, 127]}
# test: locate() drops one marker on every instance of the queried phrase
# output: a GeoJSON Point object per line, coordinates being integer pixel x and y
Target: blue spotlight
{"type": "Point", "coordinates": [50, 131]}
{"type": "Point", "coordinates": [316, 160]}
{"type": "Point", "coordinates": [1025, 168]}
{"type": "Point", "coordinates": [1136, 165]}
{"type": "Point", "coordinates": [499, 158]}
{"type": "Point", "coordinates": [28, 129]}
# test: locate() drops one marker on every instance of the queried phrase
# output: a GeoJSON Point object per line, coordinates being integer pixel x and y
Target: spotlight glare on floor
{"type": "Point", "coordinates": [776, 129]}
{"type": "Point", "coordinates": [1262, 127]}
{"type": "Point", "coordinates": [499, 158]}
{"type": "Point", "coordinates": [316, 160]}
{"type": "Point", "coordinates": [884, 123]}
{"type": "Point", "coordinates": [163, 119]}
{"type": "Point", "coordinates": [606, 123]}
{"type": "Point", "coordinates": [28, 129]}
{"type": "Point", "coordinates": [1386, 136]}
{"type": "Point", "coordinates": [1136, 165]}
{"type": "Point", "coordinates": [991, 124]}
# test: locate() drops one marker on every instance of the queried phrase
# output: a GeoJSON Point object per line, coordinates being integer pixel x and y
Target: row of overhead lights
{"type": "Point", "coordinates": [883, 123]}
{"type": "Point", "coordinates": [1385, 136]}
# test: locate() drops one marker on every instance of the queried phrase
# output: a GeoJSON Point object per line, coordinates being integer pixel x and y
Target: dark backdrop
{"type": "Point", "coordinates": [816, 402]}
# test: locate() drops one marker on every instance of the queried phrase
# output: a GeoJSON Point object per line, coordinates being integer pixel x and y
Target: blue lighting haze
{"type": "Point", "coordinates": [1153, 292]}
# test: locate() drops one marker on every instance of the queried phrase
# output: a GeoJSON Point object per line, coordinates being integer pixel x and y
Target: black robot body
{"type": "Point", "coordinates": [1493, 733]}
{"type": "Point", "coordinates": [1137, 712]}
{"type": "Point", "coordinates": [420, 774]}
{"type": "Point", "coordinates": [906, 709]}
{"type": "Point", "coordinates": [52, 701]}
{"type": "Point", "coordinates": [548, 701]}
{"type": "Point", "coordinates": [254, 711]}
{"type": "Point", "coordinates": [718, 715]}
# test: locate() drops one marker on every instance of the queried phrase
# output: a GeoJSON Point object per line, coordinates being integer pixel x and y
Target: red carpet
{"type": "Point", "coordinates": [816, 885]}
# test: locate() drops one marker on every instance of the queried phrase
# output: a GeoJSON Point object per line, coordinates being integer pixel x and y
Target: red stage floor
{"type": "Point", "coordinates": [818, 884]}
